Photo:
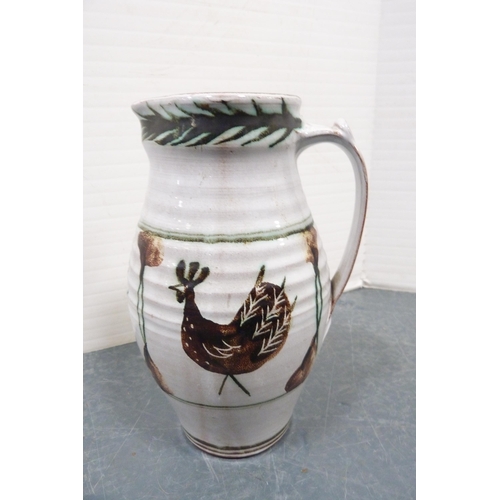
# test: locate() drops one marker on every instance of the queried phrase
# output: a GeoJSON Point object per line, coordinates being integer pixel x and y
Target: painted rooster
{"type": "Point", "coordinates": [255, 335]}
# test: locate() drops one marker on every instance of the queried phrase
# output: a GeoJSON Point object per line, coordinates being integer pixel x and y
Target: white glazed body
{"type": "Point", "coordinates": [239, 211]}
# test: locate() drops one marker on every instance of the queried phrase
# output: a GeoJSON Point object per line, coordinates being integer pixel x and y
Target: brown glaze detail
{"type": "Point", "coordinates": [151, 255]}
{"type": "Point", "coordinates": [332, 301]}
{"type": "Point", "coordinates": [312, 255]}
{"type": "Point", "coordinates": [303, 370]}
{"type": "Point", "coordinates": [237, 451]}
{"type": "Point", "coordinates": [155, 371]}
{"type": "Point", "coordinates": [255, 335]}
{"type": "Point", "coordinates": [150, 249]}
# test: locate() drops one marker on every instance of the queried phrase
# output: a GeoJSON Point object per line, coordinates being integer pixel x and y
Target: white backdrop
{"type": "Point", "coordinates": [352, 59]}
{"type": "Point", "coordinates": [389, 246]}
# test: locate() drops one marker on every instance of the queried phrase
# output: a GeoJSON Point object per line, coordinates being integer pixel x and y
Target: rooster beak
{"type": "Point", "coordinates": [179, 292]}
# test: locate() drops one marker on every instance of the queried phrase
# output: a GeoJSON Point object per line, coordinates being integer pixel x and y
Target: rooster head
{"type": "Point", "coordinates": [188, 280]}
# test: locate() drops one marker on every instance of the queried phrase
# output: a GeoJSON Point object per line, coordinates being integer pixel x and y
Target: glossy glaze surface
{"type": "Point", "coordinates": [230, 293]}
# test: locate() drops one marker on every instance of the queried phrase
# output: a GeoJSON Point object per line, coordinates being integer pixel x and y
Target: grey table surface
{"type": "Point", "coordinates": [352, 434]}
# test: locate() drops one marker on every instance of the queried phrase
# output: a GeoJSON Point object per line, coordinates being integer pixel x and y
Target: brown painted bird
{"type": "Point", "coordinates": [255, 335]}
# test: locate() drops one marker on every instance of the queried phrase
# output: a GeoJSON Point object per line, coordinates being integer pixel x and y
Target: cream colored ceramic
{"type": "Point", "coordinates": [230, 293]}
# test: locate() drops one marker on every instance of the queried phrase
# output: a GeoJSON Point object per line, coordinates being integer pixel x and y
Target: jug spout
{"type": "Point", "coordinates": [219, 119]}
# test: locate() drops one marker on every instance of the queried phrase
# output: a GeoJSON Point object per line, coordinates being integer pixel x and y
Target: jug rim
{"type": "Point", "coordinates": [233, 97]}
{"type": "Point", "coordinates": [223, 118]}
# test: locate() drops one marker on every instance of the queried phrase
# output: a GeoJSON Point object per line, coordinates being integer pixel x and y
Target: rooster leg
{"type": "Point", "coordinates": [222, 386]}
{"type": "Point", "coordinates": [239, 384]}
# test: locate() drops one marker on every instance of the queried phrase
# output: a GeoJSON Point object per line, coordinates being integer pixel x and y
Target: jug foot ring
{"type": "Point", "coordinates": [237, 451]}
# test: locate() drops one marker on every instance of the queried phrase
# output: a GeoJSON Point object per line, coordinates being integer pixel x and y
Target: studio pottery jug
{"type": "Point", "coordinates": [229, 289]}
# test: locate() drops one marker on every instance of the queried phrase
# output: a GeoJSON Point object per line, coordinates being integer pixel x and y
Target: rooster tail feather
{"type": "Point", "coordinates": [260, 277]}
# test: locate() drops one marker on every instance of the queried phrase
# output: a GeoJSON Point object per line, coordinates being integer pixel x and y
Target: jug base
{"type": "Point", "coordinates": [237, 451]}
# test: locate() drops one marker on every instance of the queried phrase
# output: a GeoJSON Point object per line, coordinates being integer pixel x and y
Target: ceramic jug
{"type": "Point", "coordinates": [229, 289]}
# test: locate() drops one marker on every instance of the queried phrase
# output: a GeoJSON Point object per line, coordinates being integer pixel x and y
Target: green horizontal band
{"type": "Point", "coordinates": [231, 238]}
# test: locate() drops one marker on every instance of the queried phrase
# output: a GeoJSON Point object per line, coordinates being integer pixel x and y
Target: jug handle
{"type": "Point", "coordinates": [341, 135]}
